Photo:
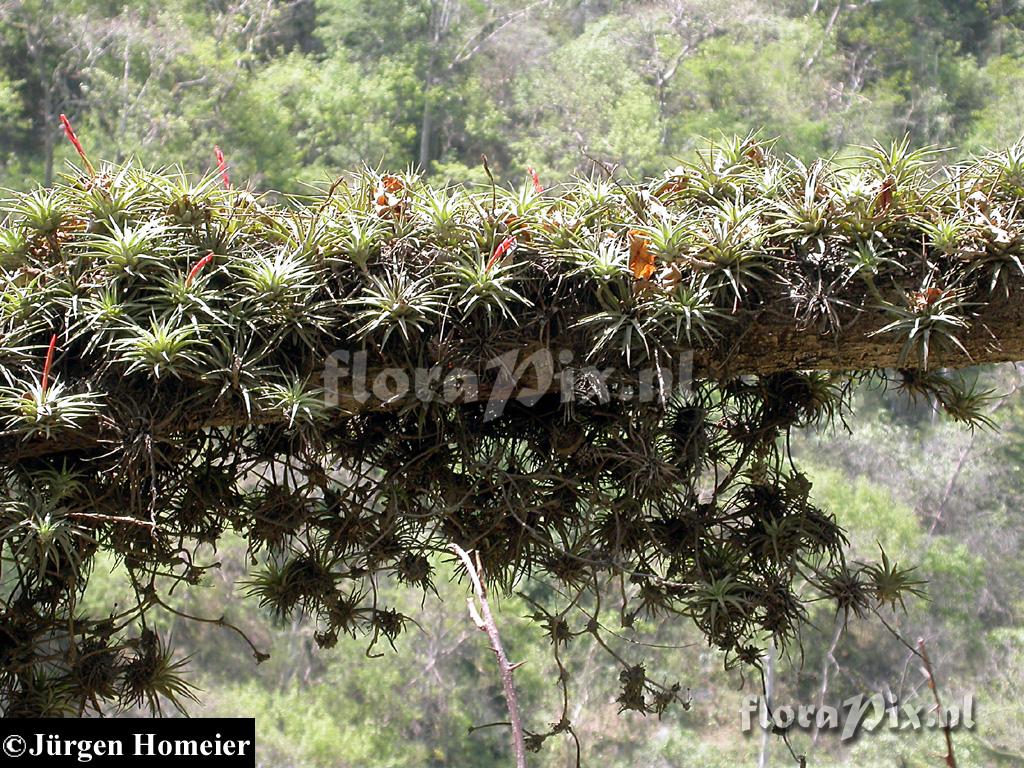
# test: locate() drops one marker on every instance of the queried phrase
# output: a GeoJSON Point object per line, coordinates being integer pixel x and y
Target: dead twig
{"type": "Point", "coordinates": [939, 712]}
{"type": "Point", "coordinates": [482, 617]}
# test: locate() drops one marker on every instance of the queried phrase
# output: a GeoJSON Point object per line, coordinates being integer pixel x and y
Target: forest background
{"type": "Point", "coordinates": [297, 91]}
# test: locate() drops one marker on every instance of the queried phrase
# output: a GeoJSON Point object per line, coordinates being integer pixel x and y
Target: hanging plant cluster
{"type": "Point", "coordinates": [179, 359]}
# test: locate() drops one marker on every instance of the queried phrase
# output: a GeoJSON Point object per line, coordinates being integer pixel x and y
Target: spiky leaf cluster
{"type": "Point", "coordinates": [187, 395]}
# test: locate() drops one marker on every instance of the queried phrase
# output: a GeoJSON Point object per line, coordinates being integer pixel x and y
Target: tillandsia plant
{"type": "Point", "coordinates": [190, 394]}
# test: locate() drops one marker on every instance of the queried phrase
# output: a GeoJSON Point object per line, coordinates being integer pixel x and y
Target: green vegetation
{"type": "Point", "coordinates": [166, 452]}
{"type": "Point", "coordinates": [412, 707]}
{"type": "Point", "coordinates": [296, 91]}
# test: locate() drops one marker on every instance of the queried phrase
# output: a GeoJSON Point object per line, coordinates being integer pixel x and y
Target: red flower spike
{"type": "Point", "coordinates": [45, 384]}
{"type": "Point", "coordinates": [506, 245]}
{"type": "Point", "coordinates": [222, 166]}
{"type": "Point", "coordinates": [70, 133]}
{"type": "Point", "coordinates": [198, 267]}
{"type": "Point", "coordinates": [536, 181]}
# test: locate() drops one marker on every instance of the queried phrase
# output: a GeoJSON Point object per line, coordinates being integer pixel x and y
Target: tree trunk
{"type": "Point", "coordinates": [426, 129]}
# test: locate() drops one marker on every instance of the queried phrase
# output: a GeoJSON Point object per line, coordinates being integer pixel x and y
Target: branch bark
{"type": "Point", "coordinates": [760, 344]}
{"type": "Point", "coordinates": [770, 343]}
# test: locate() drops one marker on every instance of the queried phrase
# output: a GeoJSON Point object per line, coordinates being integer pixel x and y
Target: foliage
{"type": "Point", "coordinates": [187, 396]}
{"type": "Point", "coordinates": [295, 91]}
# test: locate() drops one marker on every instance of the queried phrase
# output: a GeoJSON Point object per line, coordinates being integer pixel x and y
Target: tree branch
{"type": "Point", "coordinates": [484, 621]}
{"type": "Point", "coordinates": [939, 712]}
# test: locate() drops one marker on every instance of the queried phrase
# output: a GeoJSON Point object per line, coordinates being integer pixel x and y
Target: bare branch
{"type": "Point", "coordinates": [484, 620]}
{"type": "Point", "coordinates": [946, 729]}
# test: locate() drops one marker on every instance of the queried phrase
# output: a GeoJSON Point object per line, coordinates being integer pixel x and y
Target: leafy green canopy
{"type": "Point", "coordinates": [162, 369]}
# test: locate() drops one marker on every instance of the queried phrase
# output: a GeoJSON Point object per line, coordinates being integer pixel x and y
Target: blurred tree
{"type": "Point", "coordinates": [45, 46]}
{"type": "Point", "coordinates": [437, 40]}
{"type": "Point", "coordinates": [587, 95]}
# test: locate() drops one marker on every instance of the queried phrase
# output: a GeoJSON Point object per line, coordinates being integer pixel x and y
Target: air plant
{"type": "Point", "coordinates": [669, 238]}
{"type": "Point", "coordinates": [187, 203]}
{"type": "Point", "coordinates": [907, 182]}
{"type": "Point", "coordinates": [14, 247]}
{"type": "Point", "coordinates": [281, 281]}
{"type": "Point", "coordinates": [870, 257]}
{"type": "Point", "coordinates": [489, 285]}
{"type": "Point", "coordinates": [356, 240]}
{"type": "Point", "coordinates": [46, 411]}
{"type": "Point", "coordinates": [105, 313]}
{"type": "Point", "coordinates": [601, 261]}
{"type": "Point", "coordinates": [442, 211]}
{"type": "Point", "coordinates": [687, 313]}
{"type": "Point", "coordinates": [995, 249]}
{"type": "Point", "coordinates": [948, 236]}
{"type": "Point", "coordinates": [59, 482]}
{"type": "Point", "coordinates": [966, 402]}
{"type": "Point", "coordinates": [42, 212]}
{"type": "Point", "coordinates": [595, 197]}
{"type": "Point", "coordinates": [933, 317]}
{"type": "Point", "coordinates": [733, 240]}
{"type": "Point", "coordinates": [189, 296]}
{"type": "Point", "coordinates": [892, 584]}
{"type": "Point", "coordinates": [296, 400]}
{"type": "Point", "coordinates": [810, 213]}
{"type": "Point", "coordinates": [301, 581]}
{"type": "Point", "coordinates": [725, 170]}
{"type": "Point", "coordinates": [622, 328]}
{"type": "Point", "coordinates": [164, 348]}
{"type": "Point", "coordinates": [397, 302]}
{"type": "Point", "coordinates": [46, 407]}
{"type": "Point", "coordinates": [851, 590]}
{"type": "Point", "coordinates": [722, 606]}
{"type": "Point", "coordinates": [43, 538]}
{"type": "Point", "coordinates": [127, 196]}
{"type": "Point", "coordinates": [519, 211]}
{"type": "Point", "coordinates": [153, 675]}
{"type": "Point", "coordinates": [25, 302]}
{"type": "Point", "coordinates": [135, 251]}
